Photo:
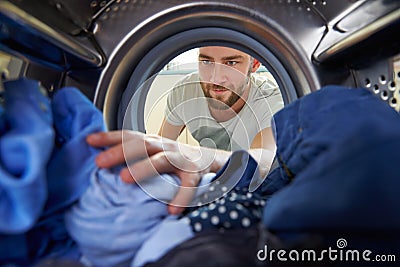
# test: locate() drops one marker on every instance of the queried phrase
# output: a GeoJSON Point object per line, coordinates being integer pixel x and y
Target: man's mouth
{"type": "Point", "coordinates": [219, 89]}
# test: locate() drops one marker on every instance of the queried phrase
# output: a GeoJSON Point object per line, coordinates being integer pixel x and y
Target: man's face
{"type": "Point", "coordinates": [224, 74]}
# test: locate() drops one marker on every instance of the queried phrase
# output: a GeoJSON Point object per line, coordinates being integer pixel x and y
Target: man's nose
{"type": "Point", "coordinates": [218, 74]}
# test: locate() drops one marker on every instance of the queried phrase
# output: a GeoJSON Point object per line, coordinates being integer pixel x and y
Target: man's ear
{"type": "Point", "coordinates": [255, 65]}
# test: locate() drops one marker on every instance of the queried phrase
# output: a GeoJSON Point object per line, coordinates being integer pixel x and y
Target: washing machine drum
{"type": "Point", "coordinates": [141, 37]}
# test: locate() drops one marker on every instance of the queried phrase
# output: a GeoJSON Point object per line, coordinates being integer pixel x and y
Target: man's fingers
{"type": "Point", "coordinates": [146, 168]}
{"type": "Point", "coordinates": [148, 156]}
{"type": "Point", "coordinates": [111, 157]}
{"type": "Point", "coordinates": [123, 147]}
{"type": "Point", "coordinates": [163, 163]}
{"type": "Point", "coordinates": [186, 192]}
{"type": "Point", "coordinates": [103, 139]}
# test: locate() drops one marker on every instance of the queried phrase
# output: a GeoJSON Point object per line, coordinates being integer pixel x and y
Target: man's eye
{"type": "Point", "coordinates": [231, 63]}
{"type": "Point", "coordinates": [206, 62]}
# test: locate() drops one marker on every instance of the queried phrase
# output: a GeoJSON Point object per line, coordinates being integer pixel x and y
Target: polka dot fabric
{"type": "Point", "coordinates": [229, 204]}
{"type": "Point", "coordinates": [237, 209]}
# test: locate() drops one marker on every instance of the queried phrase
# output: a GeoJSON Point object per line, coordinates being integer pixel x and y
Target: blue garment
{"type": "Point", "coordinates": [169, 233]}
{"type": "Point", "coordinates": [236, 207]}
{"type": "Point", "coordinates": [72, 161]}
{"type": "Point", "coordinates": [227, 203]}
{"type": "Point", "coordinates": [340, 148]}
{"type": "Point", "coordinates": [26, 143]}
{"type": "Point", "coordinates": [313, 124]}
{"type": "Point", "coordinates": [42, 178]}
{"type": "Point", "coordinates": [118, 224]}
{"type": "Point", "coordinates": [113, 219]}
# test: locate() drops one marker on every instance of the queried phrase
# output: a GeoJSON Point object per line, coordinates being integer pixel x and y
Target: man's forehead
{"type": "Point", "coordinates": [220, 52]}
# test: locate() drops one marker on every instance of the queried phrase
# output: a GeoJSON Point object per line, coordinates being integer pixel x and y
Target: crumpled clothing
{"type": "Point", "coordinates": [227, 203]}
{"type": "Point", "coordinates": [113, 219]}
{"type": "Point", "coordinates": [235, 207]}
{"type": "Point", "coordinates": [171, 232]}
{"type": "Point", "coordinates": [311, 125]}
{"type": "Point", "coordinates": [26, 143]}
{"type": "Point", "coordinates": [321, 197]}
{"type": "Point", "coordinates": [339, 146]}
{"type": "Point", "coordinates": [233, 248]}
{"type": "Point", "coordinates": [119, 224]}
{"type": "Point", "coordinates": [72, 161]}
{"type": "Point", "coordinates": [47, 175]}
{"type": "Point", "coordinates": [70, 174]}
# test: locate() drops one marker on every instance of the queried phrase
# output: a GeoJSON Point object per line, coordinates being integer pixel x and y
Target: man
{"type": "Point", "coordinates": [227, 88]}
{"type": "Point", "coordinates": [223, 105]}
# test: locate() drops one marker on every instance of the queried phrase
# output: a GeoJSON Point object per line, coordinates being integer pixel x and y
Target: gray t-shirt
{"type": "Point", "coordinates": [187, 105]}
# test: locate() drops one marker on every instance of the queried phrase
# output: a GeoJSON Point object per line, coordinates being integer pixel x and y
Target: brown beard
{"type": "Point", "coordinates": [218, 102]}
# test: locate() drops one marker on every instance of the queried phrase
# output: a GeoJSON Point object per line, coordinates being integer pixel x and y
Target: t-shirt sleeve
{"type": "Point", "coordinates": [270, 102]}
{"type": "Point", "coordinates": [275, 103]}
{"type": "Point", "coordinates": [173, 109]}
{"type": "Point", "coordinates": [183, 100]}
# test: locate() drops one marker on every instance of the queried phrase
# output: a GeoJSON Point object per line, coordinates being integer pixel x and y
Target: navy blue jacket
{"type": "Point", "coordinates": [338, 152]}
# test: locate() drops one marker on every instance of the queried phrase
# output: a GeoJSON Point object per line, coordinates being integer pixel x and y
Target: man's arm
{"type": "Point", "coordinates": [170, 131]}
{"type": "Point", "coordinates": [263, 150]}
{"type": "Point", "coordinates": [161, 155]}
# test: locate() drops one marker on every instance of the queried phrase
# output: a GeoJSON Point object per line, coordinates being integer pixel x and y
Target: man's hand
{"type": "Point", "coordinates": [149, 155]}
